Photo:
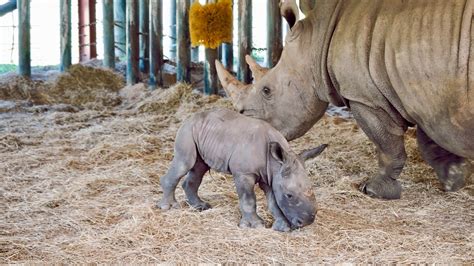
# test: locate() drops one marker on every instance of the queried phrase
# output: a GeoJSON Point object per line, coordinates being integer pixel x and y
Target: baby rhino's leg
{"type": "Point", "coordinates": [184, 159]}
{"type": "Point", "coordinates": [193, 181]}
{"type": "Point", "coordinates": [280, 223]}
{"type": "Point", "coordinates": [248, 204]}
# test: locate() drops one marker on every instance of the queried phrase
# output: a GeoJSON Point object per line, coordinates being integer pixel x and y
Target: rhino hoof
{"type": "Point", "coordinates": [281, 225]}
{"type": "Point", "coordinates": [456, 177]}
{"type": "Point", "coordinates": [382, 187]}
{"type": "Point", "coordinates": [201, 206]}
{"type": "Point", "coordinates": [166, 205]}
{"type": "Point", "coordinates": [251, 223]}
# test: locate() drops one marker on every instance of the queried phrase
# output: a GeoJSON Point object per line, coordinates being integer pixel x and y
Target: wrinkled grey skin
{"type": "Point", "coordinates": [253, 152]}
{"type": "Point", "coordinates": [395, 64]}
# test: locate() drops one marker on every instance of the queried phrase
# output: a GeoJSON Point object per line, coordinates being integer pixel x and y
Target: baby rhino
{"type": "Point", "coordinates": [253, 152]}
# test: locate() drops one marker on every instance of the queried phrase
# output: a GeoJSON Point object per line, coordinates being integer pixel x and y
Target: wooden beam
{"type": "Point", "coordinates": [245, 39]}
{"type": "Point", "coordinates": [87, 30]}
{"type": "Point", "coordinates": [144, 35]}
{"type": "Point", "coordinates": [119, 30]}
{"type": "Point", "coordinates": [132, 42]}
{"type": "Point", "coordinates": [108, 24]}
{"type": "Point", "coordinates": [156, 44]}
{"type": "Point", "coordinates": [183, 64]}
{"type": "Point", "coordinates": [24, 48]}
{"type": "Point", "coordinates": [274, 33]}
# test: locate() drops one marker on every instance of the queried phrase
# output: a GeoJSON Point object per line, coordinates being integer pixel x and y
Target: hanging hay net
{"type": "Point", "coordinates": [79, 185]}
{"type": "Point", "coordinates": [211, 24]}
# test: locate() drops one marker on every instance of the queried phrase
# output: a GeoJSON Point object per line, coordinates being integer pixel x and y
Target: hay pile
{"type": "Point", "coordinates": [82, 86]}
{"type": "Point", "coordinates": [81, 187]}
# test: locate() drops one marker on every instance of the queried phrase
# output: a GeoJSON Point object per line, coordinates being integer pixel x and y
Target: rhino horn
{"type": "Point", "coordinates": [289, 10]}
{"type": "Point", "coordinates": [230, 84]}
{"type": "Point", "coordinates": [257, 71]}
{"type": "Point", "coordinates": [311, 153]}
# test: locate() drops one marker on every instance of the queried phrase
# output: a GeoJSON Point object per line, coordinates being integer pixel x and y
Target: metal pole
{"type": "Point", "coordinates": [132, 42]}
{"type": "Point", "coordinates": [183, 63]}
{"type": "Point", "coordinates": [87, 31]}
{"type": "Point", "coordinates": [24, 61]}
{"type": "Point", "coordinates": [119, 30]}
{"type": "Point", "coordinates": [245, 39]}
{"type": "Point", "coordinates": [7, 7]}
{"type": "Point", "coordinates": [156, 44]}
{"type": "Point", "coordinates": [173, 29]}
{"type": "Point", "coordinates": [108, 23]}
{"type": "Point", "coordinates": [144, 35]}
{"type": "Point", "coordinates": [65, 41]}
{"type": "Point", "coordinates": [274, 33]}
{"type": "Point", "coordinates": [228, 56]}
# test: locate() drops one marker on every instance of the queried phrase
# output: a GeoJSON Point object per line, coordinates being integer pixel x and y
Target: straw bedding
{"type": "Point", "coordinates": [79, 183]}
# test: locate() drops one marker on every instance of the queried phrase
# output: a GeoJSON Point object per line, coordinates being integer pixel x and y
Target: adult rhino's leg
{"type": "Point", "coordinates": [184, 159]}
{"type": "Point", "coordinates": [193, 181]}
{"type": "Point", "coordinates": [280, 223]}
{"type": "Point", "coordinates": [451, 169]}
{"type": "Point", "coordinates": [248, 204]}
{"type": "Point", "coordinates": [388, 138]}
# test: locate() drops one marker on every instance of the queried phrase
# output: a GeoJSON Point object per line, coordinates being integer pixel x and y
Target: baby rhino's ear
{"type": "Point", "coordinates": [277, 152]}
{"type": "Point", "coordinates": [311, 153]}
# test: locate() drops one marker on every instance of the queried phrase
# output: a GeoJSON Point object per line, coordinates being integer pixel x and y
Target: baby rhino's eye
{"type": "Point", "coordinates": [288, 196]}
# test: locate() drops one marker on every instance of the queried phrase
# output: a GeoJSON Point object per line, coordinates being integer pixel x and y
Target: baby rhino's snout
{"type": "Point", "coordinates": [303, 220]}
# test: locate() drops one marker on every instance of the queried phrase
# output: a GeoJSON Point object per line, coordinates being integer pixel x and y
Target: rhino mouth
{"type": "Point", "coordinates": [250, 113]}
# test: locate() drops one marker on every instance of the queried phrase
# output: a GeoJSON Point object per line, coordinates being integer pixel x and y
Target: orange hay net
{"type": "Point", "coordinates": [211, 24]}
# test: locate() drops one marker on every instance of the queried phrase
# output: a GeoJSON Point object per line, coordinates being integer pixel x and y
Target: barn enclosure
{"type": "Point", "coordinates": [85, 137]}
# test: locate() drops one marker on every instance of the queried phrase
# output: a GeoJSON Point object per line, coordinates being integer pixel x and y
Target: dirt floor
{"type": "Point", "coordinates": [80, 179]}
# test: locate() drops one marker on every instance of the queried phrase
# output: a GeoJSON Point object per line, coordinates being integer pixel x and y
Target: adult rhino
{"type": "Point", "coordinates": [395, 64]}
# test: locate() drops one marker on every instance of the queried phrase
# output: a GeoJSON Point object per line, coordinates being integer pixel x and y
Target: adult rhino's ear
{"type": "Point", "coordinates": [257, 71]}
{"type": "Point", "coordinates": [289, 10]}
{"type": "Point", "coordinates": [307, 5]}
{"type": "Point", "coordinates": [311, 153]}
{"type": "Point", "coordinates": [277, 152]}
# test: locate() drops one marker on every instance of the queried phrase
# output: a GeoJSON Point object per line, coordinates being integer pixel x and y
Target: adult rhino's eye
{"type": "Point", "coordinates": [266, 91]}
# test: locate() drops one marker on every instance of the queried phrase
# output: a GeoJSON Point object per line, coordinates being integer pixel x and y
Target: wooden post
{"type": "Point", "coordinates": [132, 42]}
{"type": "Point", "coordinates": [144, 35]}
{"type": "Point", "coordinates": [183, 71]}
{"type": "Point", "coordinates": [65, 28]}
{"type": "Point", "coordinates": [210, 72]}
{"type": "Point", "coordinates": [108, 23]}
{"type": "Point", "coordinates": [119, 30]}
{"type": "Point", "coordinates": [156, 44]}
{"type": "Point", "coordinates": [245, 39]}
{"type": "Point", "coordinates": [274, 33]}
{"type": "Point", "coordinates": [87, 31]}
{"type": "Point", "coordinates": [24, 61]}
{"type": "Point", "coordinates": [173, 29]}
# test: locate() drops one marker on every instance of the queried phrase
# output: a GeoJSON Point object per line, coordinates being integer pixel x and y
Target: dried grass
{"type": "Point", "coordinates": [81, 188]}
{"type": "Point", "coordinates": [83, 86]}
